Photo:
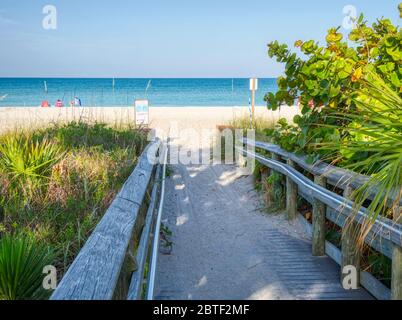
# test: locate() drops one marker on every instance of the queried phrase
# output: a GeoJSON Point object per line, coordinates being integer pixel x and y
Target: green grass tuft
{"type": "Point", "coordinates": [56, 183]}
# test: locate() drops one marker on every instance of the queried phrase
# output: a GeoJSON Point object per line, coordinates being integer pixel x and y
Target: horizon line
{"type": "Point", "coordinates": [145, 78]}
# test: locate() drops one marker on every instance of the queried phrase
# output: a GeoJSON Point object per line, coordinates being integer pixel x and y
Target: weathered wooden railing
{"type": "Point", "coordinates": [385, 235]}
{"type": "Point", "coordinates": [111, 265]}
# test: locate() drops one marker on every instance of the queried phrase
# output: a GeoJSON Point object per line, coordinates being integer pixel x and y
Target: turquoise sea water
{"type": "Point", "coordinates": [160, 92]}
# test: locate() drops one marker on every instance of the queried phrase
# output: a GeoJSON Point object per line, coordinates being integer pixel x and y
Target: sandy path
{"type": "Point", "coordinates": [224, 248]}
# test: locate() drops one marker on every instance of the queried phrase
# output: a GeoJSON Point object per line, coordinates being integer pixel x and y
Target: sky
{"type": "Point", "coordinates": [164, 38]}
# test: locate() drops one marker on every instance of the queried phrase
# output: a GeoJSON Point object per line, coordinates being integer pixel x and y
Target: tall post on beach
{"type": "Point", "coordinates": [253, 89]}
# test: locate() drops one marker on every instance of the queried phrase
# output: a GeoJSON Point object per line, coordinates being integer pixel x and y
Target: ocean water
{"type": "Point", "coordinates": [160, 92]}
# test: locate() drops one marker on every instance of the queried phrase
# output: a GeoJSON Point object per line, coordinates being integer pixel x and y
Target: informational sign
{"type": "Point", "coordinates": [253, 89]}
{"type": "Point", "coordinates": [253, 84]}
{"type": "Point", "coordinates": [141, 112]}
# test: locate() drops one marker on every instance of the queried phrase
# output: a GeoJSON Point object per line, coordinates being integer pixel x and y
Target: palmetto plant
{"type": "Point", "coordinates": [21, 267]}
{"type": "Point", "coordinates": [26, 161]}
{"type": "Point", "coordinates": [376, 130]}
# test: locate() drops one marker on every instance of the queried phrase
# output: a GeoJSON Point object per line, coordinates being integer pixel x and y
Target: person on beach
{"type": "Point", "coordinates": [59, 103]}
{"type": "Point", "coordinates": [77, 102]}
{"type": "Point", "coordinates": [45, 104]}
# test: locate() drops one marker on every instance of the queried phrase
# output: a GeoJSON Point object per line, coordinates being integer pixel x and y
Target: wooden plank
{"type": "Point", "coordinates": [265, 186]}
{"type": "Point", "coordinates": [396, 281]}
{"type": "Point", "coordinates": [338, 217]}
{"type": "Point", "coordinates": [332, 251]}
{"type": "Point", "coordinates": [380, 228]}
{"type": "Point", "coordinates": [136, 285]}
{"type": "Point", "coordinates": [370, 283]}
{"type": "Point", "coordinates": [397, 273]}
{"type": "Point", "coordinates": [338, 177]}
{"type": "Point", "coordinates": [306, 225]}
{"type": "Point", "coordinates": [130, 261]}
{"type": "Point", "coordinates": [319, 212]}
{"type": "Point", "coordinates": [375, 287]}
{"type": "Point", "coordinates": [278, 184]}
{"type": "Point", "coordinates": [94, 273]}
{"type": "Point", "coordinates": [291, 195]}
{"type": "Point", "coordinates": [350, 252]}
{"type": "Point", "coordinates": [381, 245]}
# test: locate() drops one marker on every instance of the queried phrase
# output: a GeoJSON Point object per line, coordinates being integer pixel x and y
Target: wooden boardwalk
{"type": "Point", "coordinates": [224, 247]}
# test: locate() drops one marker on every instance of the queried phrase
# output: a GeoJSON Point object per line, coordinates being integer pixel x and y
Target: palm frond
{"type": "Point", "coordinates": [375, 129]}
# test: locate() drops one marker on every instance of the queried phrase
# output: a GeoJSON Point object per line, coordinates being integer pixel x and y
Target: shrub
{"type": "Point", "coordinates": [378, 125]}
{"type": "Point", "coordinates": [21, 266]}
{"type": "Point", "coordinates": [329, 79]}
{"type": "Point", "coordinates": [26, 162]}
{"type": "Point", "coordinates": [71, 190]}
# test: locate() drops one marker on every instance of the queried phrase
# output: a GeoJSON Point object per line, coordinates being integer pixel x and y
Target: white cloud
{"type": "Point", "coordinates": [5, 20]}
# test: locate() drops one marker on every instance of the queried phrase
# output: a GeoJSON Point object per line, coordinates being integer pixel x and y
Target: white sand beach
{"type": "Point", "coordinates": [17, 118]}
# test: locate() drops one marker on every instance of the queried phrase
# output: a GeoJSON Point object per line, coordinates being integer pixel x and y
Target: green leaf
{"type": "Point", "coordinates": [334, 37]}
{"type": "Point", "coordinates": [334, 91]}
{"type": "Point", "coordinates": [21, 266]}
{"type": "Point", "coordinates": [343, 74]}
{"type": "Point", "coordinates": [395, 80]}
{"type": "Point", "coordinates": [310, 84]}
{"type": "Point", "coordinates": [375, 52]}
{"type": "Point", "coordinates": [395, 54]}
{"type": "Point", "coordinates": [308, 47]}
{"type": "Point", "coordinates": [324, 84]}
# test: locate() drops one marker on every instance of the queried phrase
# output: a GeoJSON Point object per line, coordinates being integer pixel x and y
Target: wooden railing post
{"type": "Point", "coordinates": [291, 195]}
{"type": "Point", "coordinates": [265, 171]}
{"type": "Point", "coordinates": [396, 280]}
{"type": "Point", "coordinates": [385, 235]}
{"type": "Point", "coordinates": [350, 252]}
{"type": "Point", "coordinates": [128, 267]}
{"type": "Point", "coordinates": [130, 261]}
{"type": "Point", "coordinates": [278, 184]}
{"type": "Point", "coordinates": [319, 211]}
{"type": "Point", "coordinates": [239, 155]}
{"type": "Point", "coordinates": [103, 268]}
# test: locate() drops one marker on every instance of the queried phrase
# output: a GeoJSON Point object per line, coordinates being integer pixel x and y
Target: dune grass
{"type": "Point", "coordinates": [260, 125]}
{"type": "Point", "coordinates": [56, 183]}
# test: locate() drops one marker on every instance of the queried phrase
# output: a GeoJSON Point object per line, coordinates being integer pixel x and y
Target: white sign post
{"type": "Point", "coordinates": [253, 89]}
{"type": "Point", "coordinates": [141, 112]}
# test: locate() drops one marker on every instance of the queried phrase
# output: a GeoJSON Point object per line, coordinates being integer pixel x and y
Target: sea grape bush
{"type": "Point", "coordinates": [350, 96]}
{"type": "Point", "coordinates": [327, 80]}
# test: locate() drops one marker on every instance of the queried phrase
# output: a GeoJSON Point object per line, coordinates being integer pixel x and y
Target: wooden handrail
{"type": "Point", "coordinates": [338, 177]}
{"type": "Point", "coordinates": [102, 270]}
{"type": "Point", "coordinates": [385, 235]}
{"type": "Point", "coordinates": [387, 230]}
{"type": "Point", "coordinates": [136, 285]}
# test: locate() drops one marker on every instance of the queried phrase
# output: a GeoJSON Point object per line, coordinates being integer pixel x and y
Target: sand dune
{"type": "Point", "coordinates": [17, 118]}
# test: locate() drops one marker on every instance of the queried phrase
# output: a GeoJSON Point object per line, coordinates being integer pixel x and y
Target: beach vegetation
{"type": "Point", "coordinates": [22, 260]}
{"type": "Point", "coordinates": [349, 93]}
{"type": "Point", "coordinates": [377, 123]}
{"type": "Point", "coordinates": [260, 125]}
{"type": "Point", "coordinates": [328, 79]}
{"type": "Point", "coordinates": [55, 185]}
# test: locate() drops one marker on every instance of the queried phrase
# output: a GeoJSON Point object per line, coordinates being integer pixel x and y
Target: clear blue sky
{"type": "Point", "coordinates": [164, 38]}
